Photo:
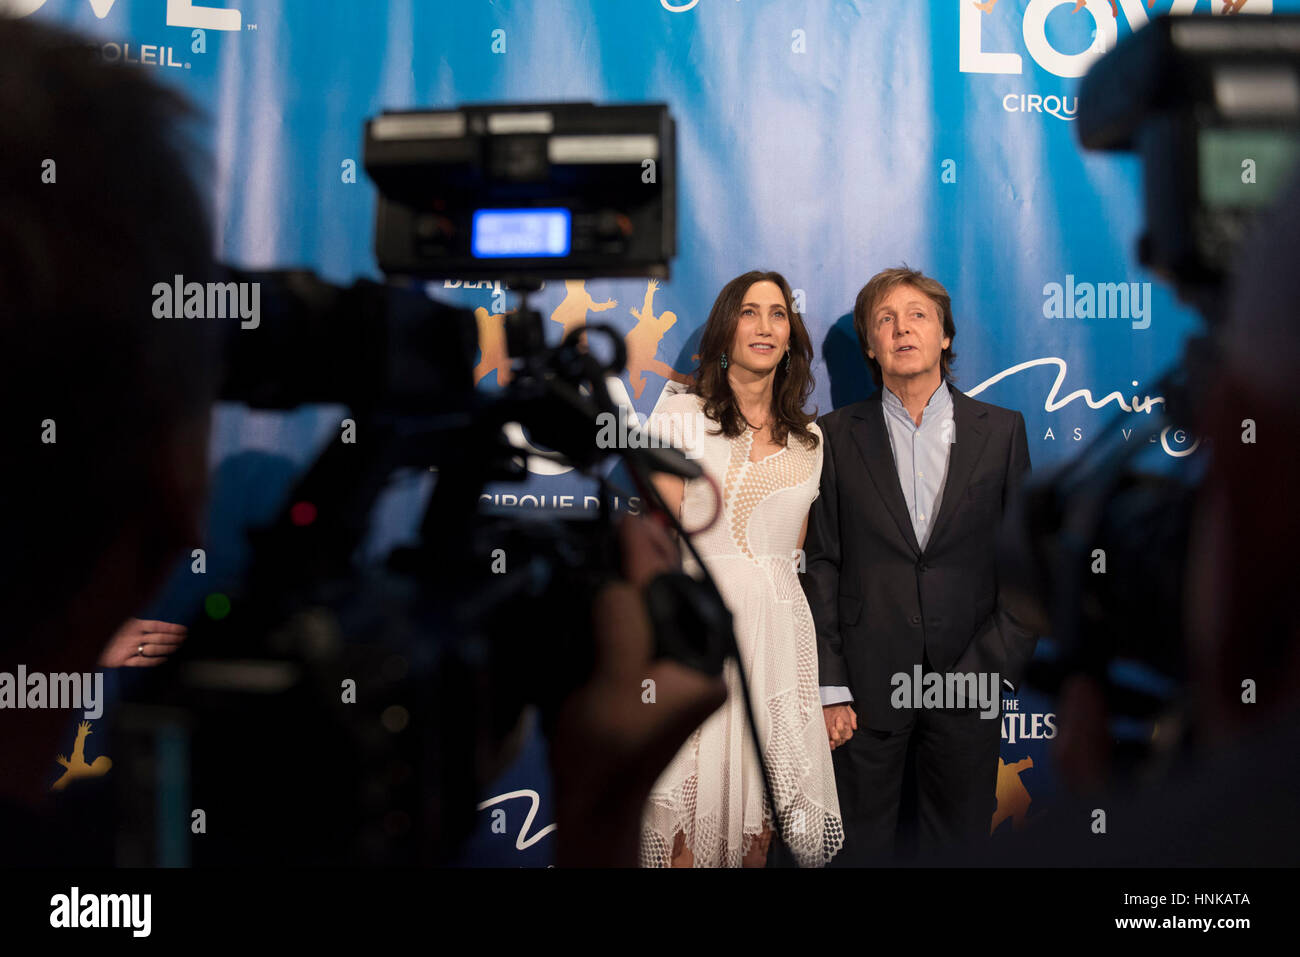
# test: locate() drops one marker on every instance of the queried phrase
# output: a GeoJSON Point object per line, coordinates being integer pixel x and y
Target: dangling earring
{"type": "Point", "coordinates": [723, 360]}
{"type": "Point", "coordinates": [787, 360]}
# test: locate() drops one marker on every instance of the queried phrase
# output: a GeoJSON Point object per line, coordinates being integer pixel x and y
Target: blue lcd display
{"type": "Point", "coordinates": [520, 233]}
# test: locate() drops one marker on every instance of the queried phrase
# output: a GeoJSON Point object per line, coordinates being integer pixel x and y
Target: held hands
{"type": "Point", "coordinates": [841, 722]}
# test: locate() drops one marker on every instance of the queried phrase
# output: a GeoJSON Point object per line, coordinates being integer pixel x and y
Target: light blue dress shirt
{"type": "Point", "coordinates": [921, 458]}
{"type": "Point", "coordinates": [921, 455]}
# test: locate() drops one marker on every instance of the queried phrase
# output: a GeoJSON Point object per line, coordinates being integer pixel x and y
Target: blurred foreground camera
{"type": "Point", "coordinates": [349, 713]}
{"type": "Point", "coordinates": [549, 191]}
{"type": "Point", "coordinates": [1211, 106]}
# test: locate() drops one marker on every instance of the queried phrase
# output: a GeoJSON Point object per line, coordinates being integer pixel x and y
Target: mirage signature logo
{"type": "Point", "coordinates": [1054, 401]}
{"type": "Point", "coordinates": [524, 840]}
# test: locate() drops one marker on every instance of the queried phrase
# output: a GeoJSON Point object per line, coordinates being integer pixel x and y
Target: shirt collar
{"type": "Point", "coordinates": [939, 403]}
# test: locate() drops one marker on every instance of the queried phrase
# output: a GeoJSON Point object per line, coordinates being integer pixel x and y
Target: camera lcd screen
{"type": "Point", "coordinates": [521, 233]}
{"type": "Point", "coordinates": [1244, 168]}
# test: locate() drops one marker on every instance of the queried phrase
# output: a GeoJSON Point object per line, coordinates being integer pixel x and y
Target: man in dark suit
{"type": "Point", "coordinates": [901, 574]}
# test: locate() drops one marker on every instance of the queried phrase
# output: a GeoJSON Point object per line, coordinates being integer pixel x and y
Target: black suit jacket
{"type": "Point", "coordinates": [877, 599]}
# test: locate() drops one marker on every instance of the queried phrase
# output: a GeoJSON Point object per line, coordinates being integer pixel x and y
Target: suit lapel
{"type": "Point", "coordinates": [969, 428]}
{"type": "Point", "coordinates": [873, 443]}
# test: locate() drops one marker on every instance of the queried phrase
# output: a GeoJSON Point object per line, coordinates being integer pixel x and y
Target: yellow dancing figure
{"type": "Point", "coordinates": [643, 342]}
{"type": "Point", "coordinates": [1013, 796]}
{"type": "Point", "coordinates": [77, 767]}
{"type": "Point", "coordinates": [572, 311]}
{"type": "Point", "coordinates": [492, 343]}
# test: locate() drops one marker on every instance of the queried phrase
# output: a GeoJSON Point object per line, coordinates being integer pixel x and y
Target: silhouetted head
{"type": "Point", "coordinates": [105, 406]}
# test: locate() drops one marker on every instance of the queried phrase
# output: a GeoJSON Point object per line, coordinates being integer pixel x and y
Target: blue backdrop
{"type": "Point", "coordinates": [826, 139]}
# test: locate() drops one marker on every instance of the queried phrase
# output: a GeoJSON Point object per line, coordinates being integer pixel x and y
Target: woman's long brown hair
{"type": "Point", "coordinates": [791, 388]}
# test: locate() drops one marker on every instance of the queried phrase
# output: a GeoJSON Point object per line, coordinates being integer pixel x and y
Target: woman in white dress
{"type": "Point", "coordinates": [744, 418]}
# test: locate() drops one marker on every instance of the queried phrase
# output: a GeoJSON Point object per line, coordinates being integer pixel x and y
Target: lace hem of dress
{"type": "Point", "coordinates": [813, 835]}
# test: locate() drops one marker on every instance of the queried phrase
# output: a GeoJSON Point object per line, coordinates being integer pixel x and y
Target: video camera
{"type": "Point", "coordinates": [351, 714]}
{"type": "Point", "coordinates": [1211, 106]}
{"type": "Point", "coordinates": [548, 191]}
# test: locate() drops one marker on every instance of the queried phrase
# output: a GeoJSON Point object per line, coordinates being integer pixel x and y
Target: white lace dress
{"type": "Point", "coordinates": [712, 792]}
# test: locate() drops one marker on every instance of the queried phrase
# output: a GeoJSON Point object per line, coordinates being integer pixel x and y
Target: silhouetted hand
{"type": "Point", "coordinates": [616, 734]}
{"type": "Point", "coordinates": [142, 644]}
